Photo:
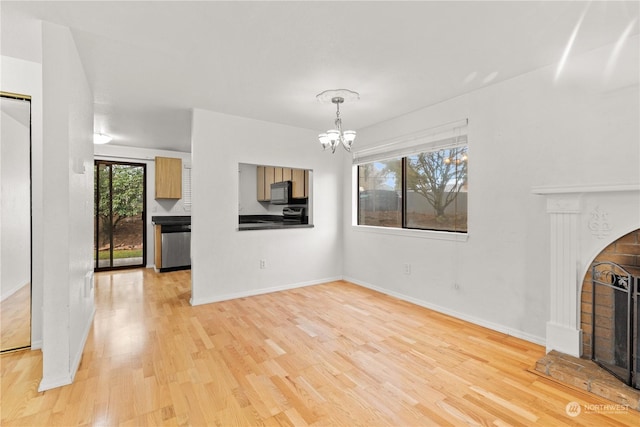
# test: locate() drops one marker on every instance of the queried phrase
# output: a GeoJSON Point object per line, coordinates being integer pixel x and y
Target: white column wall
{"type": "Point", "coordinates": [226, 262]}
{"type": "Point", "coordinates": [68, 306]}
{"type": "Point", "coordinates": [562, 328]}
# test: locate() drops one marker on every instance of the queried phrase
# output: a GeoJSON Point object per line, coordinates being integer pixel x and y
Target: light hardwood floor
{"type": "Point", "coordinates": [15, 320]}
{"type": "Point", "coordinates": [331, 354]}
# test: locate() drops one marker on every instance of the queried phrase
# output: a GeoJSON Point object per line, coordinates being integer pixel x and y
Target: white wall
{"type": "Point", "coordinates": [68, 196]}
{"type": "Point", "coordinates": [529, 131]}
{"type": "Point", "coordinates": [25, 77]}
{"type": "Point", "coordinates": [154, 207]}
{"type": "Point", "coordinates": [225, 262]}
{"type": "Point", "coordinates": [248, 203]}
{"type": "Point", "coordinates": [15, 222]}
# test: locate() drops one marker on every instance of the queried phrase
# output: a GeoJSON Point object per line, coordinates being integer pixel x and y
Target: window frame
{"type": "Point", "coordinates": [401, 149]}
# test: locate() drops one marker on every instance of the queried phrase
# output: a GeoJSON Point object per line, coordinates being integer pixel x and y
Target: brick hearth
{"type": "Point", "coordinates": [587, 375]}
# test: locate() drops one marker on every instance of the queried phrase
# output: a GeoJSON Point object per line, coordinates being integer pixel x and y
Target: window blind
{"type": "Point", "coordinates": [186, 186]}
{"type": "Point", "coordinates": [445, 136]}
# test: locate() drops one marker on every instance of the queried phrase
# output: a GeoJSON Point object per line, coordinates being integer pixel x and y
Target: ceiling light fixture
{"type": "Point", "coordinates": [333, 137]}
{"type": "Point", "coordinates": [101, 138]}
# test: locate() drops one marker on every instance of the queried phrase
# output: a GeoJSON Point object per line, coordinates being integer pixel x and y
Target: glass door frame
{"type": "Point", "coordinates": [26, 98]}
{"type": "Point", "coordinates": [97, 163]}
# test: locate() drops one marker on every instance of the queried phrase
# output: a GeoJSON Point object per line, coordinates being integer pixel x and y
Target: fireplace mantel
{"type": "Point", "coordinates": [583, 221]}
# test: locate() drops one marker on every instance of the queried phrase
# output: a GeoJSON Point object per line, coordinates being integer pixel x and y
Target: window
{"type": "Point", "coordinates": [380, 193]}
{"type": "Point", "coordinates": [186, 186]}
{"type": "Point", "coordinates": [422, 186]}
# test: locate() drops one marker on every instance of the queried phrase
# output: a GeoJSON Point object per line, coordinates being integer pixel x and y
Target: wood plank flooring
{"type": "Point", "coordinates": [15, 319]}
{"type": "Point", "coordinates": [328, 355]}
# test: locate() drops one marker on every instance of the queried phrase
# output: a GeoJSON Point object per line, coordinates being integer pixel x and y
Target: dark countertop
{"type": "Point", "coordinates": [271, 226]}
{"type": "Point", "coordinates": [171, 220]}
{"type": "Point", "coordinates": [269, 222]}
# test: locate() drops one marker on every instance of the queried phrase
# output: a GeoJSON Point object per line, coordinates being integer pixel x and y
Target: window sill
{"type": "Point", "coordinates": [406, 232]}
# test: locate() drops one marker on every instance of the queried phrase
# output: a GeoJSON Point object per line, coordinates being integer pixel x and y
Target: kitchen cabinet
{"type": "Point", "coordinates": [157, 249]}
{"type": "Point", "coordinates": [172, 242]}
{"type": "Point", "coordinates": [267, 175]}
{"type": "Point", "coordinates": [277, 172]}
{"type": "Point", "coordinates": [260, 184]}
{"type": "Point", "coordinates": [287, 174]}
{"type": "Point", "coordinates": [300, 180]}
{"type": "Point", "coordinates": [168, 178]}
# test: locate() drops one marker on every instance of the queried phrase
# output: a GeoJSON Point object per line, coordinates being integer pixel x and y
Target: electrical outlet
{"type": "Point", "coordinates": [263, 264]}
{"type": "Point", "coordinates": [407, 268]}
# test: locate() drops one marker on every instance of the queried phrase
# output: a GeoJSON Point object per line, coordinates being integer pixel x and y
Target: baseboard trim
{"type": "Point", "coordinates": [253, 292]}
{"type": "Point", "coordinates": [78, 357]}
{"type": "Point", "coordinates": [471, 319]}
{"type": "Point", "coordinates": [49, 383]}
{"type": "Point", "coordinates": [66, 379]}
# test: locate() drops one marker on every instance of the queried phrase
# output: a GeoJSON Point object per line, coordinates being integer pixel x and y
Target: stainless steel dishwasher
{"type": "Point", "coordinates": [176, 246]}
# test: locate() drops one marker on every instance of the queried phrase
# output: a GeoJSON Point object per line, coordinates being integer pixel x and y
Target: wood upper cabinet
{"type": "Point", "coordinates": [268, 175]}
{"type": "Point", "coordinates": [277, 172]}
{"type": "Point", "coordinates": [300, 180]}
{"type": "Point", "coordinates": [287, 174]}
{"type": "Point", "coordinates": [168, 178]}
{"type": "Point", "coordinates": [269, 178]}
{"type": "Point", "coordinates": [260, 183]}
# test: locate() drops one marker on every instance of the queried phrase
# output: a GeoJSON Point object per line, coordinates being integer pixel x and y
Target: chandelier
{"type": "Point", "coordinates": [334, 137]}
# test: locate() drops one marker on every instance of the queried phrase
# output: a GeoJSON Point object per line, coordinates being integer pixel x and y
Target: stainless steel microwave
{"type": "Point", "coordinates": [281, 193]}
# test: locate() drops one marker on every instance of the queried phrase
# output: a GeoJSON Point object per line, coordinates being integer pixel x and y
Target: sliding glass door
{"type": "Point", "coordinates": [120, 206]}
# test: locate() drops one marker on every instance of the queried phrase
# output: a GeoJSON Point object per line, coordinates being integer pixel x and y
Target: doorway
{"type": "Point", "coordinates": [15, 222]}
{"type": "Point", "coordinates": [120, 215]}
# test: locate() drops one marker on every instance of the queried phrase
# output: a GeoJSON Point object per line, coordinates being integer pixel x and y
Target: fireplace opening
{"type": "Point", "coordinates": [615, 321]}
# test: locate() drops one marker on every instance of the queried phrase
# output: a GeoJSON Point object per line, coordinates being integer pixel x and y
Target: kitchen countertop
{"type": "Point", "coordinates": [171, 220]}
{"type": "Point", "coordinates": [271, 226]}
{"type": "Point", "coordinates": [269, 222]}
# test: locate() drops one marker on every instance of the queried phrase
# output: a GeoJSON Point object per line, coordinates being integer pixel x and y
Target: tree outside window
{"type": "Point", "coordinates": [434, 190]}
{"type": "Point", "coordinates": [438, 178]}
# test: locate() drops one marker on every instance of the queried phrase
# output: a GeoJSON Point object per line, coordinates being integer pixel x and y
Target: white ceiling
{"type": "Point", "coordinates": [149, 63]}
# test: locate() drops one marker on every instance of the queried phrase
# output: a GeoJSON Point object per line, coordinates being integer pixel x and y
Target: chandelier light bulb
{"type": "Point", "coordinates": [349, 136]}
{"type": "Point", "coordinates": [334, 135]}
{"type": "Point", "coordinates": [324, 140]}
{"type": "Point", "coordinates": [101, 138]}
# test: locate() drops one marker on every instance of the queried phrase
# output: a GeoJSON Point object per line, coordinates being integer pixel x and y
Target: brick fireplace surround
{"type": "Point", "coordinates": [587, 224]}
{"type": "Point", "coordinates": [625, 252]}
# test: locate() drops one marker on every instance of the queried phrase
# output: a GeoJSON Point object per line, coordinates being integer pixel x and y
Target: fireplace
{"type": "Point", "coordinates": [614, 317]}
{"type": "Point", "coordinates": [589, 226]}
{"type": "Point", "coordinates": [583, 223]}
